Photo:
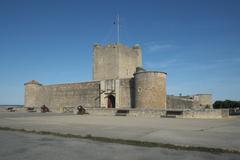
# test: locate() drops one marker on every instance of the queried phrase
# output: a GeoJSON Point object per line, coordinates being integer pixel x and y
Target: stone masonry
{"type": "Point", "coordinates": [119, 81]}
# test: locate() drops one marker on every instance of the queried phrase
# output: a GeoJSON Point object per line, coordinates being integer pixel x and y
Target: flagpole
{"type": "Point", "coordinates": [118, 29]}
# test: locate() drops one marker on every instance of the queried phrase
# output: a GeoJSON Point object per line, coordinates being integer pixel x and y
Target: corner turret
{"type": "Point", "coordinates": [31, 90]}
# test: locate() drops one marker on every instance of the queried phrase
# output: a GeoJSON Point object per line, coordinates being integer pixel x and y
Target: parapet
{"type": "Point", "coordinates": [33, 82]}
{"type": "Point", "coordinates": [136, 46]}
{"type": "Point", "coordinates": [164, 74]}
{"type": "Point", "coordinates": [97, 45]}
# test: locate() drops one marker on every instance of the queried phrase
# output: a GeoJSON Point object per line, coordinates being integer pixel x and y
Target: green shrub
{"type": "Point", "coordinates": [226, 104]}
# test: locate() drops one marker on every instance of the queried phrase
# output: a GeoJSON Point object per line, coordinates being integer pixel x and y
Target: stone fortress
{"type": "Point", "coordinates": [119, 81]}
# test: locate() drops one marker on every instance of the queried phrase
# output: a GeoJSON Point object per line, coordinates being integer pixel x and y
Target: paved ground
{"type": "Point", "coordinates": [223, 133]}
{"type": "Point", "coordinates": [17, 145]}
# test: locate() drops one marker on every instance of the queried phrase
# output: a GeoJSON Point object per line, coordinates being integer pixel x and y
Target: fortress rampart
{"type": "Point", "coordinates": [119, 81]}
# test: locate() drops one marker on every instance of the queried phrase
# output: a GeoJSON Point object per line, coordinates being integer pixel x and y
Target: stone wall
{"type": "Point", "coordinates": [206, 113]}
{"type": "Point", "coordinates": [150, 90]}
{"type": "Point", "coordinates": [147, 113]}
{"type": "Point", "coordinates": [132, 112]}
{"type": "Point", "coordinates": [201, 114]}
{"type": "Point", "coordinates": [121, 89]}
{"type": "Point", "coordinates": [108, 88]}
{"type": "Point", "coordinates": [203, 100]}
{"type": "Point", "coordinates": [129, 60]}
{"type": "Point", "coordinates": [56, 97]}
{"type": "Point", "coordinates": [115, 61]}
{"type": "Point", "coordinates": [176, 102]}
{"type": "Point", "coordinates": [126, 93]}
{"type": "Point", "coordinates": [105, 62]}
{"type": "Point", "coordinates": [121, 83]}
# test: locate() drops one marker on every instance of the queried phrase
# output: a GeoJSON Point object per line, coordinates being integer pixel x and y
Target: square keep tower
{"type": "Point", "coordinates": [115, 61]}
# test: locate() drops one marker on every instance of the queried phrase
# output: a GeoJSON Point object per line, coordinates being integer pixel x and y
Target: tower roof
{"type": "Point", "coordinates": [33, 82]}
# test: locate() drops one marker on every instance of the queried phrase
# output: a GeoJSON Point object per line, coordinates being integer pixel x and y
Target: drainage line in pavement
{"type": "Point", "coordinates": [128, 142]}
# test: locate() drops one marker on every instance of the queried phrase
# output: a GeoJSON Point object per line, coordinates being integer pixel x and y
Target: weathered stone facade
{"type": "Point", "coordinates": [150, 89]}
{"type": "Point", "coordinates": [203, 100]}
{"type": "Point", "coordinates": [62, 95]}
{"type": "Point", "coordinates": [115, 61]}
{"type": "Point", "coordinates": [118, 82]}
{"type": "Point", "coordinates": [112, 85]}
{"type": "Point", "coordinates": [197, 101]}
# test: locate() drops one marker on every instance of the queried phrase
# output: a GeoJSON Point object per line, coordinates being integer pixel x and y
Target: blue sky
{"type": "Point", "coordinates": [197, 42]}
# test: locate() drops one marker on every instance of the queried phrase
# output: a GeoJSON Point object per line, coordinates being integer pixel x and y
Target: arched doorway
{"type": "Point", "coordinates": [111, 101]}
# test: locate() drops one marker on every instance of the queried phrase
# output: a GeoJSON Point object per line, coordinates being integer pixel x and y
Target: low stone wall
{"type": "Point", "coordinates": [174, 102]}
{"type": "Point", "coordinates": [101, 111]}
{"type": "Point", "coordinates": [201, 114]}
{"type": "Point", "coordinates": [3, 110]}
{"type": "Point", "coordinates": [132, 112]}
{"type": "Point", "coordinates": [14, 109]}
{"type": "Point", "coordinates": [198, 114]}
{"type": "Point", "coordinates": [146, 112]}
{"type": "Point", "coordinates": [206, 114]}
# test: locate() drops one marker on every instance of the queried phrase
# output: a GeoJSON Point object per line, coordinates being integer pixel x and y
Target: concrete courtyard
{"type": "Point", "coordinates": [17, 145]}
{"type": "Point", "coordinates": [220, 133]}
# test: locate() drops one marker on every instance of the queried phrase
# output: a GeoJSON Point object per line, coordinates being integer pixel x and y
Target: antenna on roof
{"type": "Point", "coordinates": [117, 22]}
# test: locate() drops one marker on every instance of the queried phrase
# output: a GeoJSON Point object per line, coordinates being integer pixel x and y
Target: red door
{"type": "Point", "coordinates": [111, 101]}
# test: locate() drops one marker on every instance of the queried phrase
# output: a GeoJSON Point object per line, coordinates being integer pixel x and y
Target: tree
{"type": "Point", "coordinates": [226, 104]}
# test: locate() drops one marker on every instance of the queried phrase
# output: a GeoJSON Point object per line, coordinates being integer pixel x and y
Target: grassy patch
{"type": "Point", "coordinates": [128, 142]}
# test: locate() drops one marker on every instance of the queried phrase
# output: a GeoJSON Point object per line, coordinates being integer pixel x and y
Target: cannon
{"type": "Point", "coordinates": [44, 109]}
{"type": "Point", "coordinates": [81, 110]}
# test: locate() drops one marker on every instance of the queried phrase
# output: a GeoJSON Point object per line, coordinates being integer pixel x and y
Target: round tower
{"type": "Point", "coordinates": [150, 89]}
{"type": "Point", "coordinates": [31, 91]}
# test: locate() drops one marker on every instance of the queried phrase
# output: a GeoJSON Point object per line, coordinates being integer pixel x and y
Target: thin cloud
{"type": "Point", "coordinates": [153, 47]}
{"type": "Point", "coordinates": [200, 67]}
{"type": "Point", "coordinates": [180, 65]}
{"type": "Point", "coordinates": [157, 47]}
{"type": "Point", "coordinates": [186, 64]}
{"type": "Point", "coordinates": [231, 60]}
{"type": "Point", "coordinates": [160, 64]}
